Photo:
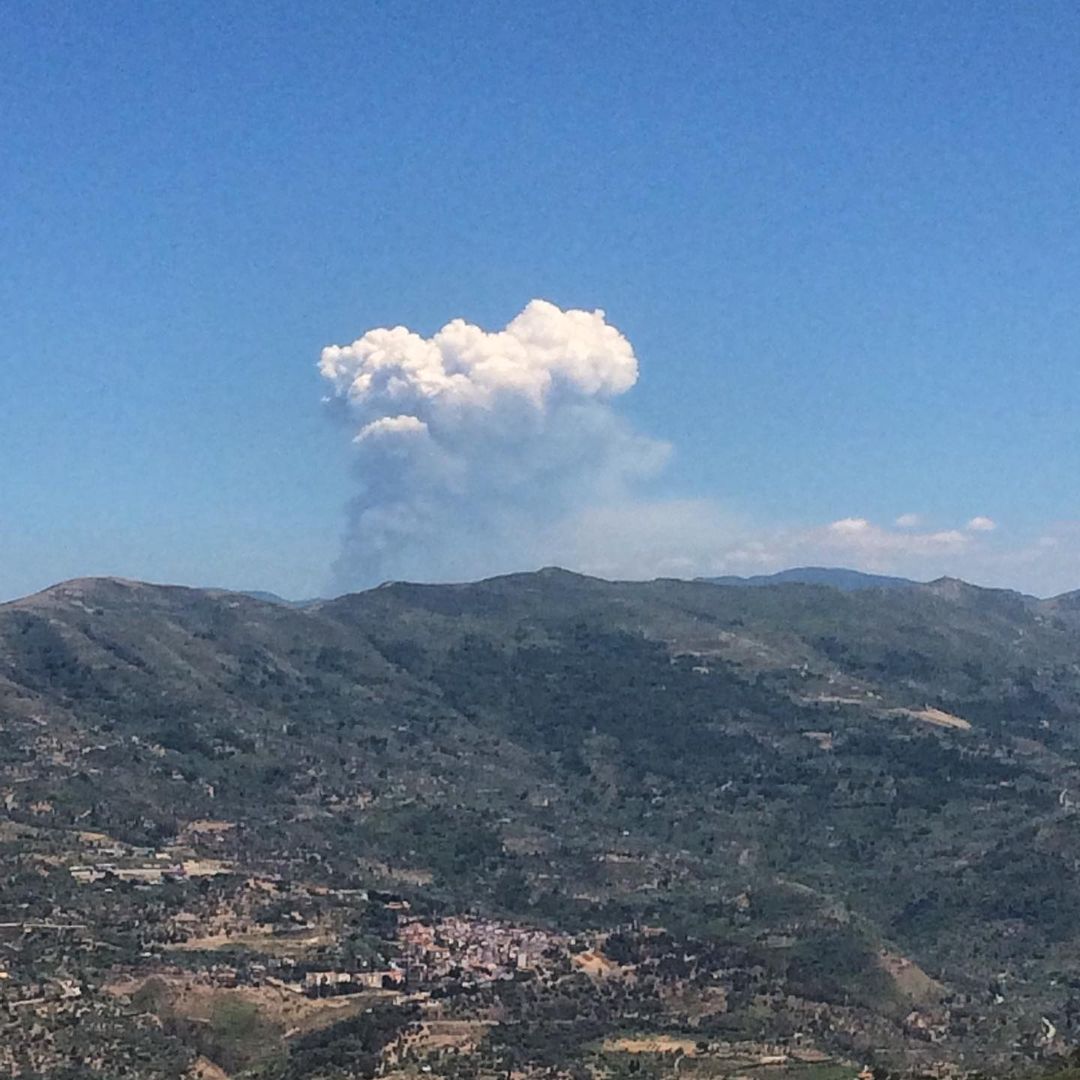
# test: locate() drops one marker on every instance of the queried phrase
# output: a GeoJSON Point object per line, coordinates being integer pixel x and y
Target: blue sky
{"type": "Point", "coordinates": [843, 240]}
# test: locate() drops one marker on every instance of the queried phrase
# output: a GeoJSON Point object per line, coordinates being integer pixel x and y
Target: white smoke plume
{"type": "Point", "coordinates": [478, 453]}
{"type": "Point", "coordinates": [475, 448]}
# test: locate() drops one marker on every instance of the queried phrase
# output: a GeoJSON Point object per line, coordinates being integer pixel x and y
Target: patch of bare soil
{"type": "Point", "coordinates": [257, 940]}
{"type": "Point", "coordinates": [596, 964]}
{"type": "Point", "coordinates": [463, 1035]}
{"type": "Point", "coordinates": [294, 1013]}
{"type": "Point", "coordinates": [911, 980]}
{"type": "Point", "coordinates": [652, 1044]}
{"type": "Point", "coordinates": [205, 1069]}
{"type": "Point", "coordinates": [937, 717]}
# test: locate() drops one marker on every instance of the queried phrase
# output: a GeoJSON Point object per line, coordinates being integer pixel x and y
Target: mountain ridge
{"type": "Point", "coordinates": [838, 577]}
{"type": "Point", "coordinates": [810, 777]}
{"type": "Point", "coordinates": [844, 579]}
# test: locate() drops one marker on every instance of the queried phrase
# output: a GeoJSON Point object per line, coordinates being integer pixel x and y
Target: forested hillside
{"type": "Point", "coordinates": [849, 814]}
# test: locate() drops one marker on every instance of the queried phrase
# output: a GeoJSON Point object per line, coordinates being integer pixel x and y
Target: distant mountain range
{"type": "Point", "coordinates": [834, 577]}
{"type": "Point", "coordinates": [273, 598]}
{"type": "Point", "coordinates": [837, 577]}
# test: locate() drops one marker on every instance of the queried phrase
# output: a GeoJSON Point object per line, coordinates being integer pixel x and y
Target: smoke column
{"type": "Point", "coordinates": [476, 450]}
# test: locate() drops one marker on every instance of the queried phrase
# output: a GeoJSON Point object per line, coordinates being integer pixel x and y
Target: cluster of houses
{"type": "Point", "coordinates": [477, 949]}
{"type": "Point", "coordinates": [473, 950]}
{"type": "Point", "coordinates": [331, 983]}
{"type": "Point", "coordinates": [146, 866]}
{"type": "Point", "coordinates": [152, 873]}
{"type": "Point", "coordinates": [44, 993]}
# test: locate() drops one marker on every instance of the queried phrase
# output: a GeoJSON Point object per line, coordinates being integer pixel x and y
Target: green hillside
{"type": "Point", "coordinates": [859, 803]}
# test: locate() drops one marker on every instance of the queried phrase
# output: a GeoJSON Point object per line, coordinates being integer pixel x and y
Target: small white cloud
{"type": "Point", "coordinates": [947, 538]}
{"type": "Point", "coordinates": [909, 521]}
{"type": "Point", "coordinates": [850, 526]}
{"type": "Point", "coordinates": [981, 524]}
{"type": "Point", "coordinates": [857, 536]}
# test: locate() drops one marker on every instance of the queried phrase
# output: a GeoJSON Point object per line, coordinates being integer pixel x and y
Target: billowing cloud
{"type": "Point", "coordinates": [542, 350]}
{"type": "Point", "coordinates": [479, 452]}
{"type": "Point", "coordinates": [472, 447]}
